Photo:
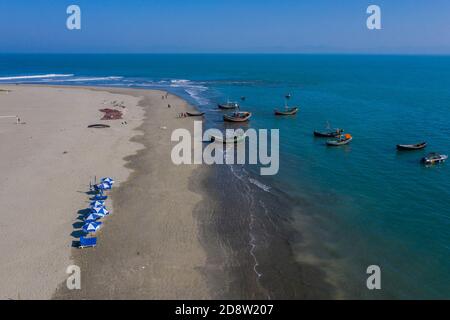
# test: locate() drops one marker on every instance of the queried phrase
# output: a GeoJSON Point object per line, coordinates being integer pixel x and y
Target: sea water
{"type": "Point", "coordinates": [358, 205]}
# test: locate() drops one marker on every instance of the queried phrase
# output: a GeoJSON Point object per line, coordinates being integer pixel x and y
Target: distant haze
{"type": "Point", "coordinates": [226, 26]}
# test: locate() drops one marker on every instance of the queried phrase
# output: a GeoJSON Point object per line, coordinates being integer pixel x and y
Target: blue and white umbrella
{"type": "Point", "coordinates": [91, 226]}
{"type": "Point", "coordinates": [108, 180]}
{"type": "Point", "coordinates": [101, 211]}
{"type": "Point", "coordinates": [97, 203]}
{"type": "Point", "coordinates": [99, 197]}
{"type": "Point", "coordinates": [103, 186]}
{"type": "Point", "coordinates": [92, 217]}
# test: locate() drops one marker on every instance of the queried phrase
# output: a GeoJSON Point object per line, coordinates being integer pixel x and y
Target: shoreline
{"type": "Point", "coordinates": [176, 233]}
{"type": "Point", "coordinates": [149, 245]}
{"type": "Point", "coordinates": [47, 163]}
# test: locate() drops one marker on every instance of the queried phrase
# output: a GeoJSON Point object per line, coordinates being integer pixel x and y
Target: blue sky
{"type": "Point", "coordinates": [285, 26]}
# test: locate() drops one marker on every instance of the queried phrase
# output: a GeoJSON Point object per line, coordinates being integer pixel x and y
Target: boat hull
{"type": "Point", "coordinates": [230, 118]}
{"type": "Point", "coordinates": [327, 134]}
{"type": "Point", "coordinates": [192, 114]}
{"type": "Point", "coordinates": [289, 112]}
{"type": "Point", "coordinates": [227, 107]}
{"type": "Point", "coordinates": [235, 139]}
{"type": "Point", "coordinates": [336, 143]}
{"type": "Point", "coordinates": [409, 147]}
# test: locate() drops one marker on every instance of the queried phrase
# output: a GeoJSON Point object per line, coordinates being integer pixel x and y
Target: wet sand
{"type": "Point", "coordinates": [149, 248]}
{"type": "Point", "coordinates": [46, 165]}
{"type": "Point", "coordinates": [175, 232]}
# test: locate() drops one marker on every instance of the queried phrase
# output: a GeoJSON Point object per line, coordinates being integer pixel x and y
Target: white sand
{"type": "Point", "coordinates": [42, 188]}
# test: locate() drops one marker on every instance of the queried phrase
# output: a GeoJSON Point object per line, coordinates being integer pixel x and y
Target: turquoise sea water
{"type": "Point", "coordinates": [358, 205]}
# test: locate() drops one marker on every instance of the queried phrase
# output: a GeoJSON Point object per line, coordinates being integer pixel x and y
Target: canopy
{"type": "Point", "coordinates": [91, 226]}
{"type": "Point", "coordinates": [108, 180]}
{"type": "Point", "coordinates": [100, 211]}
{"type": "Point", "coordinates": [92, 217]}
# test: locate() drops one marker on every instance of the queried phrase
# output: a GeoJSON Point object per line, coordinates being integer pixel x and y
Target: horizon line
{"type": "Point", "coordinates": [238, 53]}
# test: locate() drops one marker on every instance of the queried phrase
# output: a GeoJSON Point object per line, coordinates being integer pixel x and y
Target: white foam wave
{"type": "Point", "coordinates": [259, 184]}
{"type": "Point", "coordinates": [42, 76]}
{"type": "Point", "coordinates": [90, 79]}
{"type": "Point", "coordinates": [195, 92]}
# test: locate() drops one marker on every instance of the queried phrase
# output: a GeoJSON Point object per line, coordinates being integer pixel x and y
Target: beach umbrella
{"type": "Point", "coordinates": [101, 211]}
{"type": "Point", "coordinates": [99, 197]}
{"type": "Point", "coordinates": [108, 180]}
{"type": "Point", "coordinates": [91, 226]}
{"type": "Point", "coordinates": [92, 217]}
{"type": "Point", "coordinates": [102, 186]}
{"type": "Point", "coordinates": [97, 203]}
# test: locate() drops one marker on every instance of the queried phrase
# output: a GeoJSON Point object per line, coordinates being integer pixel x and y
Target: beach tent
{"type": "Point", "coordinates": [99, 197]}
{"type": "Point", "coordinates": [108, 180]}
{"type": "Point", "coordinates": [92, 217]}
{"type": "Point", "coordinates": [97, 203]}
{"type": "Point", "coordinates": [103, 186]}
{"type": "Point", "coordinates": [101, 211]}
{"type": "Point", "coordinates": [91, 226]}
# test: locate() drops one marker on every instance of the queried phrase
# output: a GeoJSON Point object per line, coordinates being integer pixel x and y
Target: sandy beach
{"type": "Point", "coordinates": [175, 232]}
{"type": "Point", "coordinates": [47, 163]}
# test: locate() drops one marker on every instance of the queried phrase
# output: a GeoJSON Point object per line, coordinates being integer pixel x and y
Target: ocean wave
{"type": "Point", "coordinates": [195, 92]}
{"type": "Point", "coordinates": [41, 76]}
{"type": "Point", "coordinates": [179, 82]}
{"type": "Point", "coordinates": [87, 79]}
{"type": "Point", "coordinates": [259, 184]}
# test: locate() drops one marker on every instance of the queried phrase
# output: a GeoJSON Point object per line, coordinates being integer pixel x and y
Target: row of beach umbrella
{"type": "Point", "coordinates": [97, 206]}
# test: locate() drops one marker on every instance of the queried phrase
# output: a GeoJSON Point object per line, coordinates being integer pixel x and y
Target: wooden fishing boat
{"type": "Point", "coordinates": [328, 134]}
{"type": "Point", "coordinates": [228, 106]}
{"type": "Point", "coordinates": [342, 140]}
{"type": "Point", "coordinates": [416, 146]}
{"type": "Point", "coordinates": [195, 114]}
{"type": "Point", "coordinates": [433, 158]}
{"type": "Point", "coordinates": [98, 125]}
{"type": "Point", "coordinates": [228, 139]}
{"type": "Point", "coordinates": [287, 111]}
{"type": "Point", "coordinates": [241, 116]}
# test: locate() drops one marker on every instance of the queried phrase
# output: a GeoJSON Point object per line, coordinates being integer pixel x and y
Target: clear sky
{"type": "Point", "coordinates": [285, 26]}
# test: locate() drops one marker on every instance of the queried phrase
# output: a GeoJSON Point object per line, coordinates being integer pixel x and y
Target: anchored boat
{"type": "Point", "coordinates": [416, 146]}
{"type": "Point", "coordinates": [433, 158]}
{"type": "Point", "coordinates": [228, 139]}
{"type": "Point", "coordinates": [287, 111]}
{"type": "Point", "coordinates": [229, 105]}
{"type": "Point", "coordinates": [195, 114]}
{"type": "Point", "coordinates": [328, 134]}
{"type": "Point", "coordinates": [342, 140]}
{"type": "Point", "coordinates": [241, 116]}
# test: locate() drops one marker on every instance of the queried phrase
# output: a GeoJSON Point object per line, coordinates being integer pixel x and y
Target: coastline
{"type": "Point", "coordinates": [176, 232]}
{"type": "Point", "coordinates": [47, 163]}
{"type": "Point", "coordinates": [149, 248]}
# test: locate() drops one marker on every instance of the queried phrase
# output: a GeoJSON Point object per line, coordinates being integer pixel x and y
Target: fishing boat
{"type": "Point", "coordinates": [416, 146]}
{"type": "Point", "coordinates": [342, 140]}
{"type": "Point", "coordinates": [228, 139]}
{"type": "Point", "coordinates": [241, 116]}
{"type": "Point", "coordinates": [433, 158]}
{"type": "Point", "coordinates": [98, 125]}
{"type": "Point", "coordinates": [286, 112]}
{"type": "Point", "coordinates": [328, 134]}
{"type": "Point", "coordinates": [195, 114]}
{"type": "Point", "coordinates": [229, 105]}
